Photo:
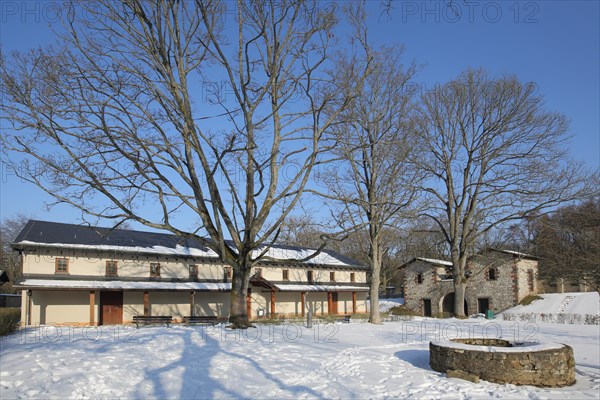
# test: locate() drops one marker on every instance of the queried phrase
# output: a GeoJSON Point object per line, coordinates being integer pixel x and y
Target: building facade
{"type": "Point", "coordinates": [498, 279]}
{"type": "Point", "coordinates": [79, 275]}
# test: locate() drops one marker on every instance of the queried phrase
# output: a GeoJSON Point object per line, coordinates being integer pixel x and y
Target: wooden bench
{"type": "Point", "coordinates": [344, 318]}
{"type": "Point", "coordinates": [152, 319]}
{"type": "Point", "coordinates": [200, 319]}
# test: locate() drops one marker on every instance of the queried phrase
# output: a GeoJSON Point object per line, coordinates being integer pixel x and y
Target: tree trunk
{"type": "Point", "coordinates": [460, 286]}
{"type": "Point", "coordinates": [238, 312]}
{"type": "Point", "coordinates": [374, 316]}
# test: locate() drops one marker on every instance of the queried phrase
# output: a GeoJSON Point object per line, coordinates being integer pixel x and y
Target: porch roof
{"type": "Point", "coordinates": [51, 284]}
{"type": "Point", "coordinates": [320, 288]}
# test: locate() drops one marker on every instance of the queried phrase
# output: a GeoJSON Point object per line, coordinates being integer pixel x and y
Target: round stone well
{"type": "Point", "coordinates": [502, 361]}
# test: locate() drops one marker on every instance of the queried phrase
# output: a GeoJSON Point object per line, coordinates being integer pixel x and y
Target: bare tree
{"type": "Point", "coordinates": [9, 259]}
{"type": "Point", "coordinates": [115, 116]}
{"type": "Point", "coordinates": [568, 243]}
{"type": "Point", "coordinates": [494, 157]}
{"type": "Point", "coordinates": [375, 180]}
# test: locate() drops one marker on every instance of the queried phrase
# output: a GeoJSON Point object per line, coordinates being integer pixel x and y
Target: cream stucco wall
{"type": "Point", "coordinates": [94, 264]}
{"type": "Point", "coordinates": [72, 307]}
{"type": "Point", "coordinates": [300, 274]}
{"type": "Point", "coordinates": [212, 303]}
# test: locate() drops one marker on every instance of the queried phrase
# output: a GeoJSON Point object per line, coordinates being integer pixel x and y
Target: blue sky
{"type": "Point", "coordinates": [553, 43]}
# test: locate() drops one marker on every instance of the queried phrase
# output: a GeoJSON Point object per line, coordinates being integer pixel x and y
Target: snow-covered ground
{"type": "Point", "coordinates": [386, 304]}
{"type": "Point", "coordinates": [557, 303]}
{"type": "Point", "coordinates": [284, 361]}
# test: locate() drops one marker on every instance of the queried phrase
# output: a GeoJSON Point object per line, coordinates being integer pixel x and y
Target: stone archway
{"type": "Point", "coordinates": [447, 304]}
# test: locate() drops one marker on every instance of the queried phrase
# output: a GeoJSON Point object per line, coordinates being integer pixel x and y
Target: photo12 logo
{"type": "Point", "coordinates": [426, 331]}
{"type": "Point", "coordinates": [455, 11]}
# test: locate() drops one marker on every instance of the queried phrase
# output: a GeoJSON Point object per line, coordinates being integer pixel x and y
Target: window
{"type": "Point", "coordinates": [492, 274]}
{"type": "Point", "coordinates": [228, 273]}
{"type": "Point", "coordinates": [352, 277]}
{"type": "Point", "coordinates": [419, 278]}
{"type": "Point", "coordinates": [154, 270]}
{"type": "Point", "coordinates": [332, 276]}
{"type": "Point", "coordinates": [286, 274]}
{"type": "Point", "coordinates": [259, 272]}
{"type": "Point", "coordinates": [530, 280]}
{"type": "Point", "coordinates": [193, 269]}
{"type": "Point", "coordinates": [310, 276]}
{"type": "Point", "coordinates": [62, 266]}
{"type": "Point", "coordinates": [111, 268]}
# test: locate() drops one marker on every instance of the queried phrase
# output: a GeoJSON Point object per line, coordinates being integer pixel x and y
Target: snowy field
{"type": "Point", "coordinates": [355, 360]}
{"type": "Point", "coordinates": [556, 303]}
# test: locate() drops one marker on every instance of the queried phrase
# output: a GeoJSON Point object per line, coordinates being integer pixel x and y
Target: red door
{"type": "Point", "coordinates": [111, 304]}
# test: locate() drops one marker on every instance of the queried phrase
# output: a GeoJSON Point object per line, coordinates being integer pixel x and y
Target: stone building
{"type": "Point", "coordinates": [498, 279]}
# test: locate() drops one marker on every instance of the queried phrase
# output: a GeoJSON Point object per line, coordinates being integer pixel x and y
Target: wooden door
{"type": "Point", "coordinates": [111, 305]}
{"type": "Point", "coordinates": [333, 303]}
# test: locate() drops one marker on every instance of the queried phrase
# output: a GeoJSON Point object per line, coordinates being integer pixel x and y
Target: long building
{"type": "Point", "coordinates": [81, 275]}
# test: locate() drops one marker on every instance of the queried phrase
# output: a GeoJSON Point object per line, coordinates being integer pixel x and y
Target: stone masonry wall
{"type": "Point", "coordinates": [506, 290]}
{"type": "Point", "coordinates": [546, 368]}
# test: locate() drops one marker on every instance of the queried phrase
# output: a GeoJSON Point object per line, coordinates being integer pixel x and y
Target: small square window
{"type": "Point", "coordinates": [286, 274]}
{"type": "Point", "coordinates": [62, 266]}
{"type": "Point", "coordinates": [154, 270]}
{"type": "Point", "coordinates": [352, 277]}
{"type": "Point", "coordinates": [332, 276]}
{"type": "Point", "coordinates": [228, 273]}
{"type": "Point", "coordinates": [419, 278]}
{"type": "Point", "coordinates": [310, 276]}
{"type": "Point", "coordinates": [193, 269]}
{"type": "Point", "coordinates": [492, 274]}
{"type": "Point", "coordinates": [111, 268]}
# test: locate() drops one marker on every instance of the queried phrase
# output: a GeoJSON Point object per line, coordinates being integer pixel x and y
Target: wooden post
{"type": "Point", "coordinates": [272, 304]}
{"type": "Point", "coordinates": [353, 302]}
{"type": "Point", "coordinates": [329, 302]}
{"type": "Point", "coordinates": [30, 307]}
{"type": "Point", "coordinates": [146, 304]}
{"type": "Point", "coordinates": [192, 302]}
{"type": "Point", "coordinates": [92, 310]}
{"type": "Point", "coordinates": [302, 301]}
{"type": "Point", "coordinates": [249, 303]}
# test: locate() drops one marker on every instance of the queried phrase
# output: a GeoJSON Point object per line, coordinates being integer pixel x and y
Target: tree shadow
{"type": "Point", "coordinates": [193, 369]}
{"type": "Point", "coordinates": [417, 358]}
{"type": "Point", "coordinates": [296, 390]}
{"type": "Point", "coordinates": [195, 360]}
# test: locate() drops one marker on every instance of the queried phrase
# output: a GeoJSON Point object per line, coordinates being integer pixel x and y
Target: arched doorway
{"type": "Point", "coordinates": [448, 304]}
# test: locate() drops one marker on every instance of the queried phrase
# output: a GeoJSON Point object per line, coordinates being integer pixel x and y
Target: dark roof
{"type": "Point", "coordinates": [46, 232]}
{"type": "Point", "coordinates": [55, 232]}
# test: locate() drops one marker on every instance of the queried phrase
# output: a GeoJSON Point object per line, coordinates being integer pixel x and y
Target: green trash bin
{"type": "Point", "coordinates": [489, 314]}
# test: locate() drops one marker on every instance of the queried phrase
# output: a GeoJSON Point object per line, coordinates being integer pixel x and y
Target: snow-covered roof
{"type": "Point", "coordinates": [124, 285]}
{"type": "Point", "coordinates": [515, 253]}
{"type": "Point", "coordinates": [429, 261]}
{"type": "Point", "coordinates": [78, 237]}
{"type": "Point", "coordinates": [435, 261]}
{"type": "Point", "coordinates": [320, 288]}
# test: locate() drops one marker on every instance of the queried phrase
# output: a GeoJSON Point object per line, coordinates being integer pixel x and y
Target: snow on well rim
{"type": "Point", "coordinates": [518, 347]}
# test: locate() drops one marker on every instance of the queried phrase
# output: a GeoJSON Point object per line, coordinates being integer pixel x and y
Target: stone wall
{"type": "Point", "coordinates": [548, 367]}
